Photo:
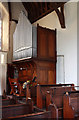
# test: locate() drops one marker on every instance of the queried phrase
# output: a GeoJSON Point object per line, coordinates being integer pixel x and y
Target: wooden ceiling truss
{"type": "Point", "coordinates": [37, 10]}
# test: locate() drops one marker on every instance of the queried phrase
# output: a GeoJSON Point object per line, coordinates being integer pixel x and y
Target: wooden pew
{"type": "Point", "coordinates": [42, 91]}
{"type": "Point", "coordinates": [41, 115]}
{"type": "Point", "coordinates": [55, 96]}
{"type": "Point", "coordinates": [33, 94]}
{"type": "Point", "coordinates": [25, 113]}
{"type": "Point", "coordinates": [8, 101]}
{"type": "Point", "coordinates": [71, 105]}
{"type": "Point", "coordinates": [17, 109]}
{"type": "Point", "coordinates": [36, 115]}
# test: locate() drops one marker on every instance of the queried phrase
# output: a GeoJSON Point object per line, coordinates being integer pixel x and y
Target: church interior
{"type": "Point", "coordinates": [39, 44]}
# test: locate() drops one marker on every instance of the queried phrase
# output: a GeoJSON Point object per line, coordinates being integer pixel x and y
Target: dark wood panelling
{"type": "Point", "coordinates": [46, 43]}
{"type": "Point", "coordinates": [51, 35]}
{"type": "Point", "coordinates": [45, 72]}
{"type": "Point", "coordinates": [41, 42]}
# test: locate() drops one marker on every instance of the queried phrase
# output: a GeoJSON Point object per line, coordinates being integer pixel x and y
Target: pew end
{"type": "Point", "coordinates": [71, 105]}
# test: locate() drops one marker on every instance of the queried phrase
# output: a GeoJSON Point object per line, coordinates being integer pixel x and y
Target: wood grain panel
{"type": "Point", "coordinates": [42, 43]}
{"type": "Point", "coordinates": [43, 46]}
{"type": "Point", "coordinates": [51, 77]}
{"type": "Point", "coordinates": [46, 43]}
{"type": "Point", "coordinates": [51, 44]}
{"type": "Point", "coordinates": [43, 76]}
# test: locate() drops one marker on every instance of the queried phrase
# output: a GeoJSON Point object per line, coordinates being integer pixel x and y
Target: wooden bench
{"type": "Point", "coordinates": [17, 109]}
{"type": "Point", "coordinates": [6, 102]}
{"type": "Point", "coordinates": [42, 91]}
{"type": "Point", "coordinates": [71, 105]}
{"type": "Point", "coordinates": [33, 94]}
{"type": "Point", "coordinates": [36, 115]}
{"type": "Point", "coordinates": [55, 97]}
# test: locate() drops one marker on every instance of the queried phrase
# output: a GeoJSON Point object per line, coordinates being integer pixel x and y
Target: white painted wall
{"type": "Point", "coordinates": [16, 8]}
{"type": "Point", "coordinates": [66, 39]}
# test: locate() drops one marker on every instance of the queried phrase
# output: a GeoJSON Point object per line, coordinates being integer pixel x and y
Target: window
{"type": "Point", "coordinates": [4, 28]}
{"type": "Point", "coordinates": [0, 34]}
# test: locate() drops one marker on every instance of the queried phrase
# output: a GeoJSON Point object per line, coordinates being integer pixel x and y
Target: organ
{"type": "Point", "coordinates": [43, 65]}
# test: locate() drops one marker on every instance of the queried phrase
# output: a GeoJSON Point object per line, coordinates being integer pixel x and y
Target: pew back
{"type": "Point", "coordinates": [34, 116]}
{"type": "Point", "coordinates": [60, 90]}
{"type": "Point", "coordinates": [71, 105]}
{"type": "Point", "coordinates": [6, 102]}
{"type": "Point", "coordinates": [38, 114]}
{"type": "Point", "coordinates": [74, 102]}
{"type": "Point", "coordinates": [55, 96]}
{"type": "Point", "coordinates": [17, 109]}
{"type": "Point", "coordinates": [9, 100]}
{"type": "Point", "coordinates": [13, 110]}
{"type": "Point", "coordinates": [42, 91]}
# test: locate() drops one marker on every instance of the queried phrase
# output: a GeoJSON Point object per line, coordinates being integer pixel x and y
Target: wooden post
{"type": "Point", "coordinates": [39, 97]}
{"type": "Point", "coordinates": [48, 99]}
{"type": "Point", "coordinates": [28, 94]}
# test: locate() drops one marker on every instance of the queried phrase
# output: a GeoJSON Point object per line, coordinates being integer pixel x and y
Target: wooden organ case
{"type": "Point", "coordinates": [43, 65]}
